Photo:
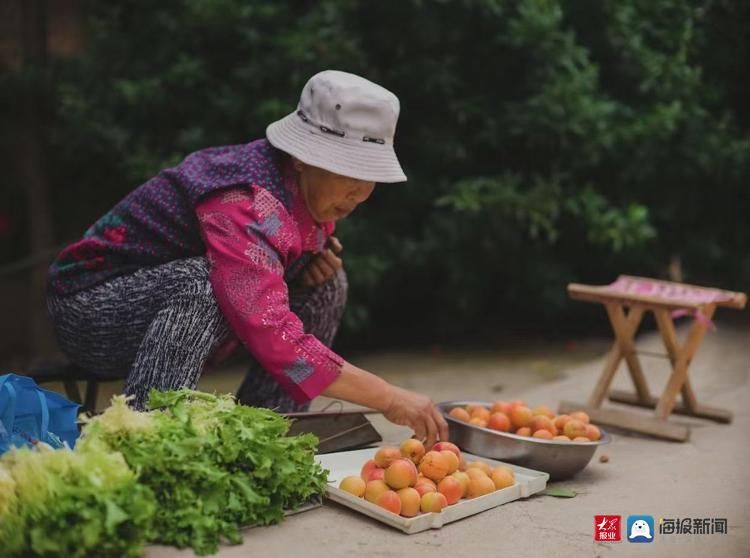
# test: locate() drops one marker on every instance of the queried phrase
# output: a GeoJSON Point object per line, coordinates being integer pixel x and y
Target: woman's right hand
{"type": "Point", "coordinates": [419, 413]}
{"type": "Point", "coordinates": [398, 405]}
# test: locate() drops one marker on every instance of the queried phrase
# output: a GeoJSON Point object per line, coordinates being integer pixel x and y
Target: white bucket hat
{"type": "Point", "coordinates": [344, 124]}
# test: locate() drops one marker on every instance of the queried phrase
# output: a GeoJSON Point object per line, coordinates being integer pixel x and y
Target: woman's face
{"type": "Point", "coordinates": [330, 196]}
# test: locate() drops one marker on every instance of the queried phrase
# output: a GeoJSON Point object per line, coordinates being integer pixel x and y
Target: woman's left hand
{"type": "Point", "coordinates": [324, 265]}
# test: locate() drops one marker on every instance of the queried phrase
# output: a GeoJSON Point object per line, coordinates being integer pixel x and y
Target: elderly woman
{"type": "Point", "coordinates": [235, 244]}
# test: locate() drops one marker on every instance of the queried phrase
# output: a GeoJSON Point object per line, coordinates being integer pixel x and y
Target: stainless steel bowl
{"type": "Point", "coordinates": [560, 459]}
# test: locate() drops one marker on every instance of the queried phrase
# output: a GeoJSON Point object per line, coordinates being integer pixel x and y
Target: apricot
{"type": "Point", "coordinates": [502, 478]}
{"type": "Point", "coordinates": [385, 456]}
{"type": "Point", "coordinates": [461, 463]}
{"type": "Point", "coordinates": [452, 460]}
{"type": "Point", "coordinates": [422, 479]}
{"type": "Point", "coordinates": [424, 487]}
{"type": "Point", "coordinates": [473, 407]}
{"type": "Point", "coordinates": [451, 488]}
{"type": "Point", "coordinates": [475, 472]}
{"type": "Point", "coordinates": [411, 500]}
{"type": "Point", "coordinates": [580, 415]}
{"type": "Point", "coordinates": [540, 422]}
{"type": "Point", "coordinates": [376, 474]}
{"type": "Point", "coordinates": [562, 438]}
{"type": "Point", "coordinates": [476, 421]}
{"type": "Point", "coordinates": [520, 416]}
{"type": "Point", "coordinates": [500, 407]}
{"type": "Point", "coordinates": [413, 449]}
{"type": "Point", "coordinates": [463, 479]}
{"type": "Point", "coordinates": [447, 446]}
{"type": "Point", "coordinates": [479, 486]}
{"type": "Point", "coordinates": [574, 429]}
{"type": "Point", "coordinates": [499, 421]}
{"type": "Point", "coordinates": [517, 403]}
{"type": "Point", "coordinates": [390, 501]}
{"type": "Point", "coordinates": [400, 474]}
{"type": "Point", "coordinates": [581, 439]}
{"type": "Point", "coordinates": [592, 432]}
{"type": "Point", "coordinates": [481, 465]}
{"type": "Point", "coordinates": [353, 485]}
{"type": "Point", "coordinates": [524, 431]}
{"type": "Point", "coordinates": [459, 413]}
{"type": "Point", "coordinates": [560, 421]}
{"type": "Point", "coordinates": [434, 466]}
{"type": "Point", "coordinates": [374, 489]}
{"type": "Point", "coordinates": [481, 413]}
{"type": "Point", "coordinates": [544, 411]}
{"type": "Point", "coordinates": [543, 434]}
{"type": "Point", "coordinates": [433, 502]}
{"type": "Point", "coordinates": [368, 468]}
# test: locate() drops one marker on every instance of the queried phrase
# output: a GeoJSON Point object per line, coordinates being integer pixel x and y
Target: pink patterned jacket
{"type": "Point", "coordinates": [250, 239]}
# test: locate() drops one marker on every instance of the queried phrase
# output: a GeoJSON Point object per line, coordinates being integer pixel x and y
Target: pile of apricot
{"type": "Point", "coordinates": [410, 480]}
{"type": "Point", "coordinates": [540, 422]}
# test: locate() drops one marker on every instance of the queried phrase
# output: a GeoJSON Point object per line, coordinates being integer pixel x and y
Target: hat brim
{"type": "Point", "coordinates": [345, 156]}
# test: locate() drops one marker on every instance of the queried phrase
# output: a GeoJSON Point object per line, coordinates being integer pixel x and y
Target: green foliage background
{"type": "Point", "coordinates": [546, 141]}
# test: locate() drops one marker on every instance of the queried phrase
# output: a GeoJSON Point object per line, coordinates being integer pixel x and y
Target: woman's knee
{"type": "Point", "coordinates": [190, 276]}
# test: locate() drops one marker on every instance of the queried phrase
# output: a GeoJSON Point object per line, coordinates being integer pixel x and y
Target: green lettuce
{"type": "Point", "coordinates": [77, 504]}
{"type": "Point", "coordinates": [214, 466]}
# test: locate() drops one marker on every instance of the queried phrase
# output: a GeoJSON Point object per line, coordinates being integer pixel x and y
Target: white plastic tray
{"type": "Point", "coordinates": [345, 463]}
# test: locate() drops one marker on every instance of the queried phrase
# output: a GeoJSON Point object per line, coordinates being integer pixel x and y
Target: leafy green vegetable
{"type": "Point", "coordinates": [210, 466]}
{"type": "Point", "coordinates": [7, 492]}
{"type": "Point", "coordinates": [10, 522]}
{"type": "Point", "coordinates": [78, 504]}
{"type": "Point", "coordinates": [213, 465]}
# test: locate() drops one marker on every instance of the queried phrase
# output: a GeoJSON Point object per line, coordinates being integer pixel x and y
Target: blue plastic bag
{"type": "Point", "coordinates": [30, 414]}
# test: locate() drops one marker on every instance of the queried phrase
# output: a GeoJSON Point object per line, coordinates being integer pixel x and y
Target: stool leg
{"type": "Point", "coordinates": [669, 336]}
{"type": "Point", "coordinates": [92, 393]}
{"type": "Point", "coordinates": [625, 329]}
{"type": "Point", "coordinates": [682, 358]}
{"type": "Point", "coordinates": [688, 396]}
{"type": "Point", "coordinates": [602, 385]}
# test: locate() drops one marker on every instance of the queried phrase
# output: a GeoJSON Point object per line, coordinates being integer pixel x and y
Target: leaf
{"type": "Point", "coordinates": [559, 492]}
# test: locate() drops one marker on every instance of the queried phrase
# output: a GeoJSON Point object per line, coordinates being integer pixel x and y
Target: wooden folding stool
{"type": "Point", "coordinates": [626, 300]}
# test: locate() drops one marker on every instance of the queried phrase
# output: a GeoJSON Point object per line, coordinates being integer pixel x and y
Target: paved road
{"type": "Point", "coordinates": [707, 477]}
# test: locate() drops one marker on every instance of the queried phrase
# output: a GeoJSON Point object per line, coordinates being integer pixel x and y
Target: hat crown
{"type": "Point", "coordinates": [347, 105]}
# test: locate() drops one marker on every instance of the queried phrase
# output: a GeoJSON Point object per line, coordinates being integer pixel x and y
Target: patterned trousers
{"type": "Point", "coordinates": [160, 325]}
